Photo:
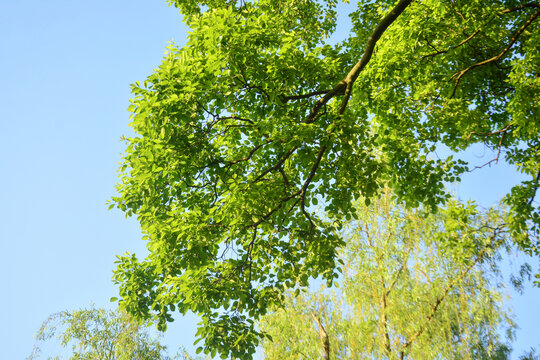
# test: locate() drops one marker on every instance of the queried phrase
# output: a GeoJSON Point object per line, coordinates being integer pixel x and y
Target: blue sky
{"type": "Point", "coordinates": [65, 68]}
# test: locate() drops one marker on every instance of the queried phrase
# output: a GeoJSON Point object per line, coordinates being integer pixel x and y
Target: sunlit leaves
{"type": "Point", "coordinates": [415, 285]}
{"type": "Point", "coordinates": [101, 334]}
{"type": "Point", "coordinates": [245, 142]}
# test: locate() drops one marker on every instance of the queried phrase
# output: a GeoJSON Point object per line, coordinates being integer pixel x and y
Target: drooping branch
{"type": "Point", "coordinates": [398, 273]}
{"type": "Point", "coordinates": [383, 323]}
{"type": "Point", "coordinates": [384, 316]}
{"type": "Point", "coordinates": [449, 287]}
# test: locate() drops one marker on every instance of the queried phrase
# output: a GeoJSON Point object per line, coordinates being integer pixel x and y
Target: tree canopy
{"type": "Point", "coordinates": [260, 129]}
{"type": "Point", "coordinates": [414, 286]}
{"type": "Point", "coordinates": [101, 334]}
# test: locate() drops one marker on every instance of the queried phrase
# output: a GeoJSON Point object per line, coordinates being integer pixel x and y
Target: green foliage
{"type": "Point", "coordinates": [101, 334]}
{"type": "Point", "coordinates": [532, 354]}
{"type": "Point", "coordinates": [259, 118]}
{"type": "Point", "coordinates": [414, 286]}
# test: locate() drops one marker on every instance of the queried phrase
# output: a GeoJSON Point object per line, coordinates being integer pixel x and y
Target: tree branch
{"type": "Point", "coordinates": [457, 12]}
{"type": "Point", "coordinates": [285, 99]}
{"type": "Point", "coordinates": [308, 181]}
{"type": "Point", "coordinates": [441, 298]}
{"type": "Point", "coordinates": [462, 73]}
{"type": "Point", "coordinates": [250, 153]}
{"type": "Point", "coordinates": [384, 316]}
{"type": "Point", "coordinates": [496, 159]}
{"type": "Point", "coordinates": [370, 47]}
{"type": "Point", "coordinates": [521, 7]}
{"type": "Point", "coordinates": [403, 264]}
{"type": "Point", "coordinates": [344, 87]}
{"type": "Point", "coordinates": [323, 335]}
{"type": "Point", "coordinates": [535, 188]}
{"type": "Point", "coordinates": [438, 52]}
{"type": "Point", "coordinates": [276, 166]}
{"type": "Point", "coordinates": [234, 117]}
{"type": "Point", "coordinates": [281, 203]}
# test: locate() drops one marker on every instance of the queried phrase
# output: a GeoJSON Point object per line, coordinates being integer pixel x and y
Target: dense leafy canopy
{"type": "Point", "coordinates": [259, 129]}
{"type": "Point", "coordinates": [414, 286]}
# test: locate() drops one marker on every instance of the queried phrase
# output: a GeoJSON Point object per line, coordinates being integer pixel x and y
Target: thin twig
{"type": "Point", "coordinates": [496, 159]}
{"type": "Point", "coordinates": [521, 7]}
{"type": "Point", "coordinates": [285, 99]}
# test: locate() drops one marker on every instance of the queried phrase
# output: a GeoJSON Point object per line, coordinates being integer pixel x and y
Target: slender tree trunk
{"type": "Point", "coordinates": [323, 335]}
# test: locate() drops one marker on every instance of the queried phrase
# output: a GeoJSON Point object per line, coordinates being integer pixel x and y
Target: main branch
{"type": "Point", "coordinates": [344, 87]}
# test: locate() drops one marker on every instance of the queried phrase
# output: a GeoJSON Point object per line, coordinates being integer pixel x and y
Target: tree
{"type": "Point", "coordinates": [259, 119]}
{"type": "Point", "coordinates": [414, 286]}
{"type": "Point", "coordinates": [101, 334]}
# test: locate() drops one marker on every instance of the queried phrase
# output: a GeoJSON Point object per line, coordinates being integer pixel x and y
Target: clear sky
{"type": "Point", "coordinates": [65, 70]}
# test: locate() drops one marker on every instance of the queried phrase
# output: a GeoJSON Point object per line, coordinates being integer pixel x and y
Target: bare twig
{"type": "Point", "coordinates": [496, 159]}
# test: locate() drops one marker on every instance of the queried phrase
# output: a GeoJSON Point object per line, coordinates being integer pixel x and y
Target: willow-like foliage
{"type": "Point", "coordinates": [414, 286]}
